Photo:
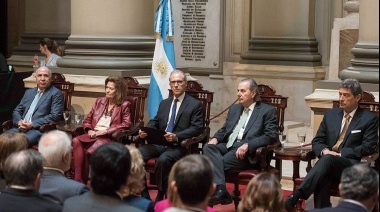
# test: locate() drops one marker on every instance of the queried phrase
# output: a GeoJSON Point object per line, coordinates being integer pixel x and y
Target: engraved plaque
{"type": "Point", "coordinates": [197, 33]}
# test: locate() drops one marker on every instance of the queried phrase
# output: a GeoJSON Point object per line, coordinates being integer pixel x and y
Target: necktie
{"type": "Point", "coordinates": [239, 126]}
{"type": "Point", "coordinates": [172, 117]}
{"type": "Point", "coordinates": [29, 114]}
{"type": "Point", "coordinates": [342, 134]}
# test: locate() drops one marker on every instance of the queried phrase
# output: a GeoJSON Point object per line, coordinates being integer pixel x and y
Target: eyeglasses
{"type": "Point", "coordinates": [178, 82]}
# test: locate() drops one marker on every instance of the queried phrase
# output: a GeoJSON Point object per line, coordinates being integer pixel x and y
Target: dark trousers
{"type": "Point", "coordinates": [224, 160]}
{"type": "Point", "coordinates": [325, 173]}
{"type": "Point", "coordinates": [33, 136]}
{"type": "Point", "coordinates": [166, 157]}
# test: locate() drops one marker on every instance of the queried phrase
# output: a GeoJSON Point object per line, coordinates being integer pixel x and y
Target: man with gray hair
{"type": "Point", "coordinates": [346, 134]}
{"type": "Point", "coordinates": [249, 125]}
{"type": "Point", "coordinates": [55, 147]}
{"type": "Point", "coordinates": [22, 172]}
{"type": "Point", "coordinates": [359, 188]}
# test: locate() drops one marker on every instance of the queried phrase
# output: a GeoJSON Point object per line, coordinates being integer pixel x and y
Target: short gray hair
{"type": "Point", "coordinates": [353, 85]}
{"type": "Point", "coordinates": [253, 87]}
{"type": "Point", "coordinates": [53, 145]}
{"type": "Point", "coordinates": [359, 182]}
{"type": "Point", "coordinates": [177, 72]}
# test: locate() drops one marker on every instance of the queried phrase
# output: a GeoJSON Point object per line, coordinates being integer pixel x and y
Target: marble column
{"type": "Point", "coordinates": [365, 65]}
{"type": "Point", "coordinates": [283, 52]}
{"type": "Point", "coordinates": [42, 19]}
{"type": "Point", "coordinates": [110, 37]}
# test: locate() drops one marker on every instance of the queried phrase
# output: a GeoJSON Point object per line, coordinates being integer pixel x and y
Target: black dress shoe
{"type": "Point", "coordinates": [145, 194]}
{"type": "Point", "coordinates": [291, 202]}
{"type": "Point", "coordinates": [160, 196]}
{"type": "Point", "coordinates": [220, 197]}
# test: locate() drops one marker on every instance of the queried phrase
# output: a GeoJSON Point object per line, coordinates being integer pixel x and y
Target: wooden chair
{"type": "Point", "coordinates": [192, 145]}
{"type": "Point", "coordinates": [67, 89]}
{"type": "Point", "coordinates": [367, 102]}
{"type": "Point", "coordinates": [263, 154]}
{"type": "Point", "coordinates": [136, 95]}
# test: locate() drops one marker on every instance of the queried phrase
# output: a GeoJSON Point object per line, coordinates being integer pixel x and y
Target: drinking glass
{"type": "Point", "coordinates": [282, 139]}
{"type": "Point", "coordinates": [301, 138]}
{"type": "Point", "coordinates": [66, 116]}
{"type": "Point", "coordinates": [78, 117]}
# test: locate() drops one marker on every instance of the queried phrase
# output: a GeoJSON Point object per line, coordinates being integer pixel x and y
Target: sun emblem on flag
{"type": "Point", "coordinates": [161, 67]}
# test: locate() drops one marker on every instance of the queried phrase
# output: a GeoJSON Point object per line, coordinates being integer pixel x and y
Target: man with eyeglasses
{"type": "Point", "coordinates": [181, 117]}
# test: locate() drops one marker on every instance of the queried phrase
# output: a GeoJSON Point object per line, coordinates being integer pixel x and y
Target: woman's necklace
{"type": "Point", "coordinates": [108, 111]}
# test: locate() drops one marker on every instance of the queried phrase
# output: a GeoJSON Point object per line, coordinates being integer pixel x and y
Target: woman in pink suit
{"type": "Point", "coordinates": [109, 114]}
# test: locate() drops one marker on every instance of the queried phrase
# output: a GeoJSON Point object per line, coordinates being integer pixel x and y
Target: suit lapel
{"type": "Point", "coordinates": [355, 120]}
{"type": "Point", "coordinates": [116, 111]}
{"type": "Point", "coordinates": [338, 124]}
{"type": "Point", "coordinates": [234, 119]}
{"type": "Point", "coordinates": [254, 115]}
{"type": "Point", "coordinates": [167, 111]}
{"type": "Point", "coordinates": [102, 107]}
{"type": "Point", "coordinates": [45, 94]}
{"type": "Point", "coordinates": [181, 109]}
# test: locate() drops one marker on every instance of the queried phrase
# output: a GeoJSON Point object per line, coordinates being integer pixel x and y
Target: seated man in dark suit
{"type": "Point", "coordinates": [22, 171]}
{"type": "Point", "coordinates": [181, 118]}
{"type": "Point", "coordinates": [55, 147]}
{"type": "Point", "coordinates": [249, 125]}
{"type": "Point", "coordinates": [346, 134]}
{"type": "Point", "coordinates": [359, 188]}
{"type": "Point", "coordinates": [110, 168]}
{"type": "Point", "coordinates": [38, 106]}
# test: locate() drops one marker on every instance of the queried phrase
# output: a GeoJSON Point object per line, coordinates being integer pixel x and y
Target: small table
{"type": "Point", "coordinates": [293, 154]}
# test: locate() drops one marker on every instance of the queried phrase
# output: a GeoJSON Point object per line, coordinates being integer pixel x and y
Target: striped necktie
{"type": "Point", "coordinates": [242, 120]}
{"type": "Point", "coordinates": [342, 134]}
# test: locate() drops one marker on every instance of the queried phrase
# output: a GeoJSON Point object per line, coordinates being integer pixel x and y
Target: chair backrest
{"type": "Point", "coordinates": [206, 97]}
{"type": "Point", "coordinates": [268, 95]}
{"type": "Point", "coordinates": [137, 95]}
{"type": "Point", "coordinates": [66, 87]}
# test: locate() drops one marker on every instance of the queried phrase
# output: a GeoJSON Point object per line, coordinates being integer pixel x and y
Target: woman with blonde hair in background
{"type": "Point", "coordinates": [263, 194]}
{"type": "Point", "coordinates": [136, 181]}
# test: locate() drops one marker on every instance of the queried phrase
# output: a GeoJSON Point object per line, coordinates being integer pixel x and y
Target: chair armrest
{"type": "Point", "coordinates": [7, 125]}
{"type": "Point", "coordinates": [370, 158]}
{"type": "Point", "coordinates": [190, 141]}
{"type": "Point", "coordinates": [308, 156]}
{"type": "Point", "coordinates": [48, 127]}
{"type": "Point", "coordinates": [119, 136]}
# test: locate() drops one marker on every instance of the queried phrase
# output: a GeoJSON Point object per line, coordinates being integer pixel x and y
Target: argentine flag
{"type": "Point", "coordinates": [163, 59]}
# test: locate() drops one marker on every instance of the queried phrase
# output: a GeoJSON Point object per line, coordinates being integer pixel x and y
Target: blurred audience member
{"type": "Point", "coordinates": [9, 143]}
{"type": "Point", "coordinates": [110, 169]}
{"type": "Point", "coordinates": [55, 147]}
{"type": "Point", "coordinates": [48, 47]}
{"type": "Point", "coordinates": [359, 188]}
{"type": "Point", "coordinates": [61, 50]}
{"type": "Point", "coordinates": [136, 182]}
{"type": "Point", "coordinates": [263, 194]}
{"type": "Point", "coordinates": [22, 171]}
{"type": "Point", "coordinates": [192, 183]}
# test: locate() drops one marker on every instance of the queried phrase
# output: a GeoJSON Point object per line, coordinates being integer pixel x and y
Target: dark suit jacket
{"type": "Point", "coordinates": [361, 137]}
{"type": "Point", "coordinates": [342, 207]}
{"type": "Point", "coordinates": [261, 130]}
{"type": "Point", "coordinates": [92, 202]}
{"type": "Point", "coordinates": [55, 186]}
{"type": "Point", "coordinates": [189, 119]}
{"type": "Point", "coordinates": [139, 202]}
{"type": "Point", "coordinates": [26, 200]}
{"type": "Point", "coordinates": [49, 108]}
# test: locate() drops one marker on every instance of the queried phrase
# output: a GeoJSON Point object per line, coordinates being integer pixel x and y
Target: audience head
{"type": "Point", "coordinates": [193, 180]}
{"type": "Point", "coordinates": [178, 82]}
{"type": "Point", "coordinates": [61, 50]}
{"type": "Point", "coordinates": [350, 94]}
{"type": "Point", "coordinates": [43, 77]}
{"type": "Point", "coordinates": [9, 143]}
{"type": "Point", "coordinates": [110, 167]}
{"type": "Point", "coordinates": [172, 196]}
{"type": "Point", "coordinates": [55, 148]}
{"type": "Point", "coordinates": [116, 89]}
{"type": "Point", "coordinates": [24, 168]}
{"type": "Point", "coordinates": [361, 183]}
{"type": "Point", "coordinates": [136, 178]}
{"type": "Point", "coordinates": [47, 44]}
{"type": "Point", "coordinates": [263, 194]}
{"type": "Point", "coordinates": [248, 92]}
